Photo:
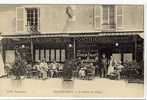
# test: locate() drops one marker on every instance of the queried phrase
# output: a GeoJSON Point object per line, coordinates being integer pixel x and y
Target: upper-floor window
{"type": "Point", "coordinates": [108, 17]}
{"type": "Point", "coordinates": [27, 19]}
{"type": "Point", "coordinates": [104, 17]}
{"type": "Point", "coordinates": [32, 15]}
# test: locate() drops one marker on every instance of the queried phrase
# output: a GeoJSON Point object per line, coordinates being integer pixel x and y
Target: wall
{"type": "Point", "coordinates": [7, 19]}
{"type": "Point", "coordinates": [132, 18]}
{"type": "Point", "coordinates": [53, 19]}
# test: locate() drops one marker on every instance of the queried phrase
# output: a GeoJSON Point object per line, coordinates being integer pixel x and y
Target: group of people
{"type": "Point", "coordinates": [102, 67]}
{"type": "Point", "coordinates": [45, 69]}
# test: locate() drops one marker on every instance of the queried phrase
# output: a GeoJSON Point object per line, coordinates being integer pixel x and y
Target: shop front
{"type": "Point", "coordinates": [60, 47]}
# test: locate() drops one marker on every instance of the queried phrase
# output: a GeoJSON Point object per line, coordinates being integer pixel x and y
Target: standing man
{"type": "Point", "coordinates": [68, 70]}
{"type": "Point", "coordinates": [104, 62]}
{"type": "Point", "coordinates": [97, 66]}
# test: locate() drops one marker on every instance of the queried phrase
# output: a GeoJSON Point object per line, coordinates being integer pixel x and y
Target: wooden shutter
{"type": "Point", "coordinates": [97, 17]}
{"type": "Point", "coordinates": [19, 19]}
{"type": "Point", "coordinates": [119, 19]}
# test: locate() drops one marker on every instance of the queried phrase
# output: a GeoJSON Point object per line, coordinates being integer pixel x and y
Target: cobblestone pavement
{"type": "Point", "coordinates": [99, 87]}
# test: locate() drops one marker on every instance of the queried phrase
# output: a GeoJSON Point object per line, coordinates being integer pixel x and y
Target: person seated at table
{"type": "Point", "coordinates": [28, 70]}
{"type": "Point", "coordinates": [118, 69]}
{"type": "Point", "coordinates": [90, 71]}
{"type": "Point", "coordinates": [43, 69]}
{"type": "Point", "coordinates": [82, 73]}
{"type": "Point", "coordinates": [60, 70]}
{"type": "Point", "coordinates": [8, 69]}
{"type": "Point", "coordinates": [53, 69]}
{"type": "Point", "coordinates": [36, 68]}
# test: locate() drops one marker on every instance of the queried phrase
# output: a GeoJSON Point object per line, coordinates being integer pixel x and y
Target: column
{"type": "Point", "coordinates": [32, 51]}
{"type": "Point", "coordinates": [135, 47]}
{"type": "Point", "coordinates": [74, 47]}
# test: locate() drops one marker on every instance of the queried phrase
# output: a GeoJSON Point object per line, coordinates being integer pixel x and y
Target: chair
{"type": "Point", "coordinates": [90, 72]}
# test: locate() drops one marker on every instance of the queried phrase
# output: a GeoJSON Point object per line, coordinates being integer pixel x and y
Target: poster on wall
{"type": "Point", "coordinates": [117, 57]}
{"type": "Point", "coordinates": [128, 57]}
{"type": "Point", "coordinates": [10, 56]}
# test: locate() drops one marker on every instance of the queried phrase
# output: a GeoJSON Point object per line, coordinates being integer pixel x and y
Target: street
{"type": "Point", "coordinates": [99, 87]}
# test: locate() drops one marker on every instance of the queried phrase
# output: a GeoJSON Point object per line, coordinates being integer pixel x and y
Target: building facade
{"type": "Point", "coordinates": [60, 32]}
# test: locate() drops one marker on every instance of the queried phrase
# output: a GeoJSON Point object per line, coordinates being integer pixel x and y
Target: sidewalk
{"type": "Point", "coordinates": [99, 87]}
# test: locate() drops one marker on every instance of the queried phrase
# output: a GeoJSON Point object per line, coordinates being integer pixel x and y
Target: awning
{"type": "Point", "coordinates": [92, 34]}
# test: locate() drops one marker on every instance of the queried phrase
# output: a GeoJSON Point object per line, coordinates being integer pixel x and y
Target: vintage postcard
{"type": "Point", "coordinates": [72, 50]}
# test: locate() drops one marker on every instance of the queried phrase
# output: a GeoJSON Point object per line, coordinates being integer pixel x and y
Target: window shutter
{"type": "Point", "coordinates": [119, 16]}
{"type": "Point", "coordinates": [19, 19]}
{"type": "Point", "coordinates": [97, 17]}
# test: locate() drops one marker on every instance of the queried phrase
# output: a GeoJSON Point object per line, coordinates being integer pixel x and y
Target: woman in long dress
{"type": "Point", "coordinates": [111, 66]}
{"type": "Point", "coordinates": [2, 71]}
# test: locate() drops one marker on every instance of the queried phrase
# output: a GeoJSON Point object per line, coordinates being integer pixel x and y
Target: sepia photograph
{"type": "Point", "coordinates": [71, 50]}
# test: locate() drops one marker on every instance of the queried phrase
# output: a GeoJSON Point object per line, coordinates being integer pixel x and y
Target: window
{"type": "Point", "coordinates": [32, 15]}
{"type": "Point", "coordinates": [108, 17]}
{"type": "Point", "coordinates": [27, 19]}
{"type": "Point", "coordinates": [50, 54]}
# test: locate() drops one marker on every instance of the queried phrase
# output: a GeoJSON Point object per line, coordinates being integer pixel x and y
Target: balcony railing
{"type": "Point", "coordinates": [32, 28]}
